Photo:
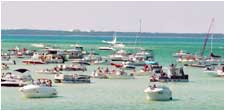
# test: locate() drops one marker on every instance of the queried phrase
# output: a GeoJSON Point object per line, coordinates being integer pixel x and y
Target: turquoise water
{"type": "Point", "coordinates": [204, 91]}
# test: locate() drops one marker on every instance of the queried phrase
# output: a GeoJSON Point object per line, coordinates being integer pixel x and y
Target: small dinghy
{"type": "Point", "coordinates": [160, 93]}
{"type": "Point", "coordinates": [74, 78]}
{"type": "Point", "coordinates": [42, 88]}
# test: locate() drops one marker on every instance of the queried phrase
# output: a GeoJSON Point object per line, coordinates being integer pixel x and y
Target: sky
{"type": "Point", "coordinates": [156, 16]}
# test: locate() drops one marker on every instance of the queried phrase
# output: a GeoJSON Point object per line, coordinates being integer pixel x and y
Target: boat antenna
{"type": "Point", "coordinates": [138, 33]}
{"type": "Point", "coordinates": [206, 39]}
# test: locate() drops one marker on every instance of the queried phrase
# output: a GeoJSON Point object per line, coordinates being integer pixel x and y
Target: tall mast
{"type": "Point", "coordinates": [206, 39]}
{"type": "Point", "coordinates": [138, 33]}
{"type": "Point", "coordinates": [212, 38]}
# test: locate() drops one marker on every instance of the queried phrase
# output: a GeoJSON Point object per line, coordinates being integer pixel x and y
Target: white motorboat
{"type": "Point", "coordinates": [220, 71]}
{"type": "Point", "coordinates": [160, 93]}
{"type": "Point", "coordinates": [118, 58]}
{"type": "Point", "coordinates": [17, 78]}
{"type": "Point", "coordinates": [39, 90]}
{"type": "Point", "coordinates": [35, 59]}
{"type": "Point", "coordinates": [72, 67]}
{"type": "Point", "coordinates": [106, 48]}
{"type": "Point", "coordinates": [120, 55]}
{"type": "Point", "coordinates": [48, 71]}
{"type": "Point", "coordinates": [180, 53]}
{"type": "Point", "coordinates": [93, 59]}
{"type": "Point", "coordinates": [9, 62]}
{"type": "Point", "coordinates": [73, 78]}
{"type": "Point", "coordinates": [114, 76]}
{"type": "Point", "coordinates": [174, 75]}
{"type": "Point", "coordinates": [38, 45]}
{"type": "Point", "coordinates": [52, 58]}
{"type": "Point", "coordinates": [118, 45]}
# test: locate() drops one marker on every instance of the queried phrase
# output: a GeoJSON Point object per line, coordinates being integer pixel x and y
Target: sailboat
{"type": "Point", "coordinates": [113, 41]}
{"type": "Point", "coordinates": [213, 59]}
{"type": "Point", "coordinates": [109, 42]}
{"type": "Point", "coordinates": [206, 61]}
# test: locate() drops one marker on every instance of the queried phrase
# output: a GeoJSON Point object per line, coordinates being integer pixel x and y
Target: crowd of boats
{"type": "Point", "coordinates": [119, 65]}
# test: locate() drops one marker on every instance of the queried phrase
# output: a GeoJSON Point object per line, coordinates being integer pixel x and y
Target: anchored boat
{"type": "Point", "coordinates": [159, 93]}
{"type": "Point", "coordinates": [73, 78]}
{"type": "Point", "coordinates": [39, 89]}
{"type": "Point", "coordinates": [17, 78]}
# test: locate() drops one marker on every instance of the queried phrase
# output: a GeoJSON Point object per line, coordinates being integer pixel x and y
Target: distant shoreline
{"type": "Point", "coordinates": [29, 32]}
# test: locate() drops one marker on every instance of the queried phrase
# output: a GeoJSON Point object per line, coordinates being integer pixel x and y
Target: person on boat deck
{"type": "Point", "coordinates": [49, 83]}
{"type": "Point", "coordinates": [122, 72]}
{"type": "Point", "coordinates": [14, 62]}
{"type": "Point", "coordinates": [94, 73]}
{"type": "Point", "coordinates": [38, 82]}
{"type": "Point", "coordinates": [146, 68]}
{"type": "Point", "coordinates": [161, 71]}
{"type": "Point", "coordinates": [173, 69]}
{"type": "Point", "coordinates": [150, 68]}
{"type": "Point", "coordinates": [107, 70]}
{"type": "Point", "coordinates": [152, 87]}
{"type": "Point", "coordinates": [3, 74]}
{"type": "Point", "coordinates": [182, 71]}
{"type": "Point", "coordinates": [113, 71]}
{"type": "Point", "coordinates": [55, 69]}
{"type": "Point", "coordinates": [98, 68]}
{"type": "Point", "coordinates": [154, 77]}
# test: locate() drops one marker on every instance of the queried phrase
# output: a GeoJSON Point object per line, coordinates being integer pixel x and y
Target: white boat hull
{"type": "Point", "coordinates": [112, 76]}
{"type": "Point", "coordinates": [158, 94]}
{"type": "Point", "coordinates": [35, 91]}
{"type": "Point", "coordinates": [8, 62]}
{"type": "Point", "coordinates": [142, 73]}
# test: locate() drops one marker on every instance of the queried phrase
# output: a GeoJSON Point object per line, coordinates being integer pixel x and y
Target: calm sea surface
{"type": "Point", "coordinates": [204, 91]}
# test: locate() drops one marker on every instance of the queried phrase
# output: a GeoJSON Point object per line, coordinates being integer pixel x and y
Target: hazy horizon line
{"type": "Point", "coordinates": [90, 30]}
